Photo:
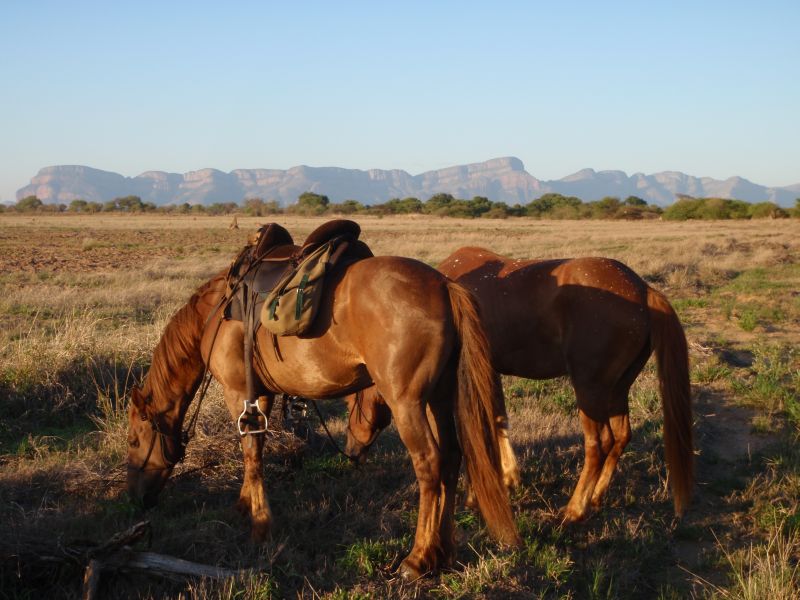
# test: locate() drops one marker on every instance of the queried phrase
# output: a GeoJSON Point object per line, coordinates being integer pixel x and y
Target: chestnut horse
{"type": "Point", "coordinates": [592, 319]}
{"type": "Point", "coordinates": [437, 363]}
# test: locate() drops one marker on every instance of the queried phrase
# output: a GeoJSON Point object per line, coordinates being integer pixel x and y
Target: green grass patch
{"type": "Point", "coordinates": [553, 395]}
{"type": "Point", "coordinates": [367, 557]}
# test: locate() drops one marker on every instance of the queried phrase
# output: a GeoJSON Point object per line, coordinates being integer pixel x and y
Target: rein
{"type": "Point", "coordinates": [330, 437]}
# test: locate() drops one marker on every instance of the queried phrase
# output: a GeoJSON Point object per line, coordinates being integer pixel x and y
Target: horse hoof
{"type": "Point", "coordinates": [259, 532]}
{"type": "Point", "coordinates": [243, 506]}
{"type": "Point", "coordinates": [409, 572]}
{"type": "Point", "coordinates": [512, 480]}
{"type": "Point", "coordinates": [470, 501]}
{"type": "Point", "coordinates": [571, 516]}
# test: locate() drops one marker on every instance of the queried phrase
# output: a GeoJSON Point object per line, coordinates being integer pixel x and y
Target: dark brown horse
{"type": "Point", "coordinates": [437, 363]}
{"type": "Point", "coordinates": [592, 319]}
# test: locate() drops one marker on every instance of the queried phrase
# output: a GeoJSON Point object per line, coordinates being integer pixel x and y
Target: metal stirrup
{"type": "Point", "coordinates": [248, 405]}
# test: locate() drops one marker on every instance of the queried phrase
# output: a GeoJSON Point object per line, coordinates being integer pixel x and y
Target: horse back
{"type": "Point", "coordinates": [543, 317]}
{"type": "Point", "coordinates": [384, 312]}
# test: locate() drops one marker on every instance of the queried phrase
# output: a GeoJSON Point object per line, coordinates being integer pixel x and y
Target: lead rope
{"type": "Point", "coordinates": [330, 437]}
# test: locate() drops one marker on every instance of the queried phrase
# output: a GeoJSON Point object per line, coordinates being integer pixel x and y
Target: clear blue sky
{"type": "Point", "coordinates": [708, 88]}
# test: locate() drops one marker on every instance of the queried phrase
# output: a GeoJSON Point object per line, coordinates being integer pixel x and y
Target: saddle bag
{"type": "Point", "coordinates": [291, 306]}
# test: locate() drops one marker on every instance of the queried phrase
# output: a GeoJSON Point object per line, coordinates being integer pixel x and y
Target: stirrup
{"type": "Point", "coordinates": [248, 404]}
{"type": "Point", "coordinates": [296, 409]}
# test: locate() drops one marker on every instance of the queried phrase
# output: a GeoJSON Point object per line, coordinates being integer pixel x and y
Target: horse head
{"type": "Point", "coordinates": [154, 448]}
{"type": "Point", "coordinates": [369, 415]}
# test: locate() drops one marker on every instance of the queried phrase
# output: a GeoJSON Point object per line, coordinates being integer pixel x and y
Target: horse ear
{"type": "Point", "coordinates": [137, 399]}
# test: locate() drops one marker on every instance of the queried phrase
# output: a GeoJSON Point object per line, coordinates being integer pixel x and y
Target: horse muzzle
{"type": "Point", "coordinates": [144, 487]}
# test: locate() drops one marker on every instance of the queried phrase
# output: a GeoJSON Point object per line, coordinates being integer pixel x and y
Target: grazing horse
{"type": "Point", "coordinates": [437, 363]}
{"type": "Point", "coordinates": [592, 319]}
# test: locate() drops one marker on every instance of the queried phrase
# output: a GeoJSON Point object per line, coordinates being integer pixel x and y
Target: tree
{"type": "Point", "coordinates": [684, 208]}
{"type": "Point", "coordinates": [256, 207]}
{"type": "Point", "coordinates": [222, 208]}
{"type": "Point", "coordinates": [499, 210]}
{"type": "Point", "coordinates": [29, 204]}
{"type": "Point", "coordinates": [635, 201]}
{"type": "Point", "coordinates": [396, 206]}
{"type": "Point", "coordinates": [480, 205]}
{"type": "Point", "coordinates": [437, 202]}
{"type": "Point", "coordinates": [129, 203]}
{"type": "Point", "coordinates": [77, 205]}
{"type": "Point", "coordinates": [763, 210]}
{"type": "Point", "coordinates": [544, 205]}
{"type": "Point", "coordinates": [309, 203]}
{"type": "Point", "coordinates": [348, 207]}
{"type": "Point", "coordinates": [606, 208]}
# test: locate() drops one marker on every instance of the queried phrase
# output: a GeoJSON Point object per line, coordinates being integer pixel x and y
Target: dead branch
{"type": "Point", "coordinates": [117, 555]}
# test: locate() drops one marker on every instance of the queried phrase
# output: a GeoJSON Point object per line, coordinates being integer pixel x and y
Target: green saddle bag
{"type": "Point", "coordinates": [291, 306]}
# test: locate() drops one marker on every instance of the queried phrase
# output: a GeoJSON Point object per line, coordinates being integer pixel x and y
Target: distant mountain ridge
{"type": "Point", "coordinates": [500, 179]}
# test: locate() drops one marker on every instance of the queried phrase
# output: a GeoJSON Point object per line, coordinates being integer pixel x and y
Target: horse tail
{"type": "Point", "coordinates": [477, 412]}
{"type": "Point", "coordinates": [672, 358]}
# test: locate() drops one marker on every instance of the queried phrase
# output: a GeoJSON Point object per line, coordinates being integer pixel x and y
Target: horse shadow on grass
{"type": "Point", "coordinates": [633, 546]}
{"type": "Point", "coordinates": [337, 525]}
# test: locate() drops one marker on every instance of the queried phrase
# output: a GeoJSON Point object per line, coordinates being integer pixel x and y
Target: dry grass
{"type": "Point", "coordinates": [83, 300]}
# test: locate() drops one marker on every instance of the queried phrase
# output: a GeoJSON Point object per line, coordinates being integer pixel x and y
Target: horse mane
{"type": "Point", "coordinates": [177, 363]}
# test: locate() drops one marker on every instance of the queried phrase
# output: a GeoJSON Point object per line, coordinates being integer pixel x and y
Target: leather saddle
{"type": "Point", "coordinates": [257, 270]}
{"type": "Point", "coordinates": [273, 255]}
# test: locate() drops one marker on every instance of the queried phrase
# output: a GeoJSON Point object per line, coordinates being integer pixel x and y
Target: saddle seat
{"type": "Point", "coordinates": [276, 254]}
{"type": "Point", "coordinates": [273, 256]}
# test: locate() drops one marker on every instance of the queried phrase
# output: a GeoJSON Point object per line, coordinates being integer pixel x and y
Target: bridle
{"type": "Point", "coordinates": [188, 433]}
{"type": "Point", "coordinates": [157, 433]}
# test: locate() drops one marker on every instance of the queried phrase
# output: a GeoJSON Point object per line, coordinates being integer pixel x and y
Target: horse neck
{"type": "Point", "coordinates": [177, 366]}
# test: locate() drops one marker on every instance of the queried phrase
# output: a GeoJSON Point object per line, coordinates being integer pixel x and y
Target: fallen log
{"type": "Point", "coordinates": [152, 563]}
{"type": "Point", "coordinates": [118, 555]}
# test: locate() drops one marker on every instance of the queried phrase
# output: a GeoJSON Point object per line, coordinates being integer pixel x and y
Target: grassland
{"type": "Point", "coordinates": [83, 301]}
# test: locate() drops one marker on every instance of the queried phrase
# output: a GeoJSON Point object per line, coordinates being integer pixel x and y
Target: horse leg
{"type": "Point", "coordinates": [508, 460]}
{"type": "Point", "coordinates": [578, 507]}
{"type": "Point", "coordinates": [621, 434]}
{"type": "Point", "coordinates": [253, 495]}
{"type": "Point", "coordinates": [618, 427]}
{"type": "Point", "coordinates": [429, 550]}
{"type": "Point", "coordinates": [442, 416]}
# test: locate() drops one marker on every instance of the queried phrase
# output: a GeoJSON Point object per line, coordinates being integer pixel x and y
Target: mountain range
{"type": "Point", "coordinates": [500, 179]}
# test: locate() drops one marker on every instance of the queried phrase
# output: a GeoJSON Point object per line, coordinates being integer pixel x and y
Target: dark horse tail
{"type": "Point", "coordinates": [672, 358]}
{"type": "Point", "coordinates": [477, 403]}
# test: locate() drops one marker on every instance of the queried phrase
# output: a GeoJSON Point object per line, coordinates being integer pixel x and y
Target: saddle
{"type": "Point", "coordinates": [266, 268]}
{"type": "Point", "coordinates": [272, 257]}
